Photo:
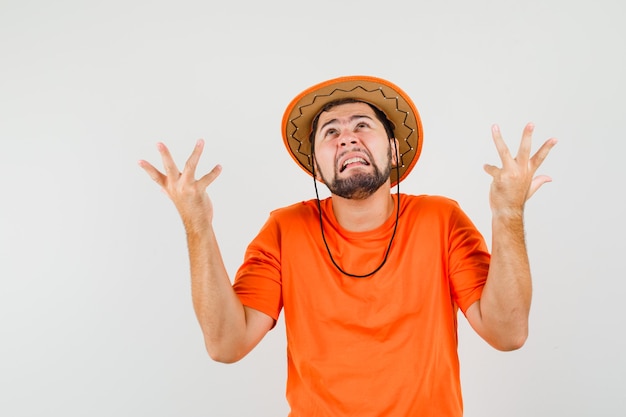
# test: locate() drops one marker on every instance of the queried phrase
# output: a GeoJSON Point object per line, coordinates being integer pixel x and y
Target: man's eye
{"type": "Point", "coordinates": [362, 125]}
{"type": "Point", "coordinates": [330, 132]}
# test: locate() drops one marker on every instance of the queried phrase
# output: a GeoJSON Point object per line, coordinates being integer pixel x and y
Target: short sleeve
{"type": "Point", "coordinates": [468, 260]}
{"type": "Point", "coordinates": [258, 280]}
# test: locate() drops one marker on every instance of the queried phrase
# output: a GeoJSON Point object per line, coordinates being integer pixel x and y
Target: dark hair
{"type": "Point", "coordinates": [380, 115]}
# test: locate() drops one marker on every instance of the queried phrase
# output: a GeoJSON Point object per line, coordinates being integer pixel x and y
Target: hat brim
{"type": "Point", "coordinates": [389, 98]}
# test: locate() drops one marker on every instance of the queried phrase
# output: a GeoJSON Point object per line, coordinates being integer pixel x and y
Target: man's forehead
{"type": "Point", "coordinates": [346, 110]}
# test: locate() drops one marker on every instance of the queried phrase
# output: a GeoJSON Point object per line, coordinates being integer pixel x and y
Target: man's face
{"type": "Point", "coordinates": [352, 152]}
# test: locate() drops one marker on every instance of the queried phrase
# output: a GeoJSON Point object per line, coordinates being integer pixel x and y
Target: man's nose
{"type": "Point", "coordinates": [348, 137]}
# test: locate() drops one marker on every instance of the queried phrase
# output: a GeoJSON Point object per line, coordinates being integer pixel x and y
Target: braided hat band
{"type": "Point", "coordinates": [389, 98]}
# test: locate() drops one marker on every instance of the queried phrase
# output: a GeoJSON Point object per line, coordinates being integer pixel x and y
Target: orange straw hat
{"type": "Point", "coordinates": [395, 103]}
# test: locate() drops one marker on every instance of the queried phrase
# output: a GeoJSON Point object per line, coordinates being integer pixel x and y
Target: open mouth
{"type": "Point", "coordinates": [352, 162]}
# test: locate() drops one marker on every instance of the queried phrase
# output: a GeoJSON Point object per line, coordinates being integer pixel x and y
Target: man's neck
{"type": "Point", "coordinates": [366, 214]}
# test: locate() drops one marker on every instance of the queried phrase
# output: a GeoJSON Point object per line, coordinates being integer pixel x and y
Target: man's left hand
{"type": "Point", "coordinates": [515, 182]}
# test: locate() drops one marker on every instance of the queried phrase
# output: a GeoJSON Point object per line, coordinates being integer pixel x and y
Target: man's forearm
{"type": "Point", "coordinates": [506, 298]}
{"type": "Point", "coordinates": [218, 309]}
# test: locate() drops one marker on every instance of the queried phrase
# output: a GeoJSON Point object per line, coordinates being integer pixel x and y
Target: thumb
{"type": "Point", "coordinates": [536, 183]}
{"type": "Point", "coordinates": [491, 169]}
{"type": "Point", "coordinates": [207, 179]}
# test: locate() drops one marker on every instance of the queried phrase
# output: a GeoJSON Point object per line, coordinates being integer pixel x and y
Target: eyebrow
{"type": "Point", "coordinates": [356, 116]}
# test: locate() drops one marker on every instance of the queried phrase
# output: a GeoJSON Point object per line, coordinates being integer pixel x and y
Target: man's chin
{"type": "Point", "coordinates": [360, 195]}
{"type": "Point", "coordinates": [358, 186]}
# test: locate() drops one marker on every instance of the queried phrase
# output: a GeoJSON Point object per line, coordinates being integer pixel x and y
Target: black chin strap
{"type": "Point", "coordinates": [395, 227]}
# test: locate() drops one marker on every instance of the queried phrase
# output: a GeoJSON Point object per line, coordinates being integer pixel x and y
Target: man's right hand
{"type": "Point", "coordinates": [188, 194]}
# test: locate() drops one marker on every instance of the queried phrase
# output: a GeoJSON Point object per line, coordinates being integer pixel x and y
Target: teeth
{"type": "Point", "coordinates": [352, 160]}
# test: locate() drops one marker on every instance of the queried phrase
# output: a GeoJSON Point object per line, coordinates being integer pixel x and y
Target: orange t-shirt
{"type": "Point", "coordinates": [385, 345]}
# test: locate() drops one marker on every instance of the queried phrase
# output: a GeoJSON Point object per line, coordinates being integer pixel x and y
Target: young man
{"type": "Point", "coordinates": [370, 281]}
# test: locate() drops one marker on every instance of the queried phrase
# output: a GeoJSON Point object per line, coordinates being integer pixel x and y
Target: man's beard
{"type": "Point", "coordinates": [360, 185]}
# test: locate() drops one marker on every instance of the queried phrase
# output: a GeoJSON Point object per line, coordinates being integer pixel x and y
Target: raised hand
{"type": "Point", "coordinates": [515, 182]}
{"type": "Point", "coordinates": [188, 194]}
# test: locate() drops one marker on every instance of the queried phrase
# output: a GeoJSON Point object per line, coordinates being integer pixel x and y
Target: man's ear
{"type": "Point", "coordinates": [395, 151]}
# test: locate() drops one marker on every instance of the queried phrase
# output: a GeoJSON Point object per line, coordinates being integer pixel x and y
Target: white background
{"type": "Point", "coordinates": [95, 308]}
